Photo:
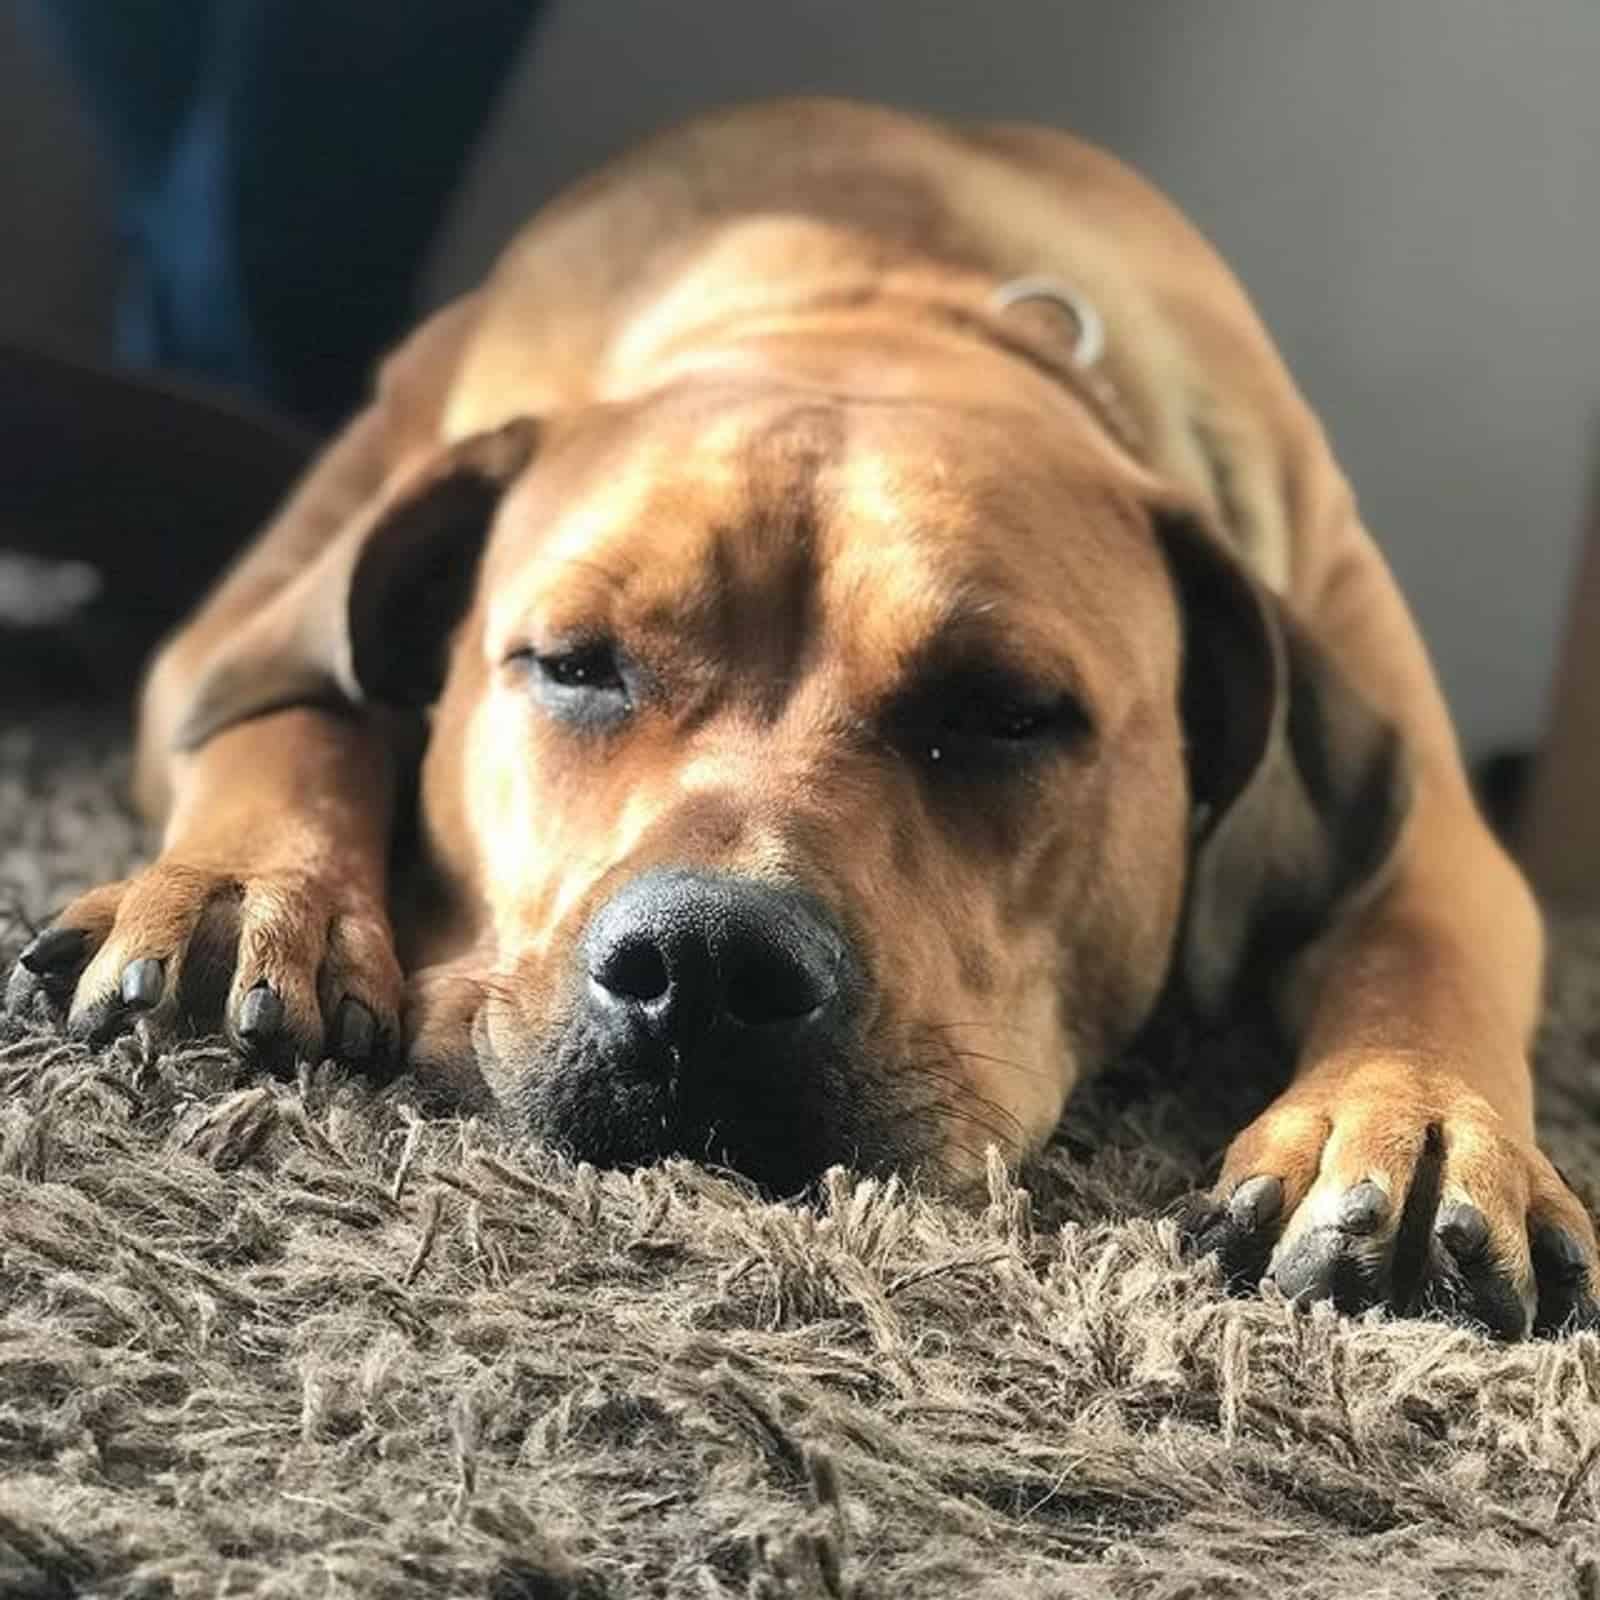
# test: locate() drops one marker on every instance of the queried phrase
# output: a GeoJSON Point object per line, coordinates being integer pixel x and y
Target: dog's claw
{"type": "Point", "coordinates": [1562, 1272]}
{"type": "Point", "coordinates": [1560, 1257]}
{"type": "Point", "coordinates": [357, 1030]}
{"type": "Point", "coordinates": [54, 951]}
{"type": "Point", "coordinates": [260, 1016]}
{"type": "Point", "coordinates": [45, 968]}
{"type": "Point", "coordinates": [1326, 1264]}
{"type": "Point", "coordinates": [142, 983]}
{"type": "Point", "coordinates": [21, 987]}
{"type": "Point", "coordinates": [1241, 1233]}
{"type": "Point", "coordinates": [1257, 1202]}
{"type": "Point", "coordinates": [1467, 1282]}
{"type": "Point", "coordinates": [1464, 1231]}
{"type": "Point", "coordinates": [1364, 1209]}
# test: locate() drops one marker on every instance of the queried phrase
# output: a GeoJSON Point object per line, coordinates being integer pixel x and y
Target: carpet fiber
{"type": "Point", "coordinates": [288, 1339]}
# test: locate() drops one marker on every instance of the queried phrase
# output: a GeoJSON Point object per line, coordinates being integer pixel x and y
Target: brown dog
{"type": "Point", "coordinates": [857, 682]}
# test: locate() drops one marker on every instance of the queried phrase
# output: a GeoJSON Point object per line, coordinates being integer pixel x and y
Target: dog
{"type": "Point", "coordinates": [800, 666]}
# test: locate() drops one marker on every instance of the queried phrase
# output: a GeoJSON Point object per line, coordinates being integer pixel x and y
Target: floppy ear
{"type": "Point", "coordinates": [368, 620]}
{"type": "Point", "coordinates": [1300, 787]}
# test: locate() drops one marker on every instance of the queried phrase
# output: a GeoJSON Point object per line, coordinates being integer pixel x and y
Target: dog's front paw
{"type": "Point", "coordinates": [1403, 1188]}
{"type": "Point", "coordinates": [289, 964]}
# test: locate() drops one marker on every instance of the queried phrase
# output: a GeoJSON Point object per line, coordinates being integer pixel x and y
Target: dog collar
{"type": "Point", "coordinates": [1052, 291]}
{"type": "Point", "coordinates": [1084, 371]}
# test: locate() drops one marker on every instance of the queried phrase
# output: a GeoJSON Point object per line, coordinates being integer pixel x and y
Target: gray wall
{"type": "Point", "coordinates": [1410, 189]}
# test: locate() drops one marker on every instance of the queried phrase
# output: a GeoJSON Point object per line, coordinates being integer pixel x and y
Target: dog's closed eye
{"type": "Point", "coordinates": [984, 717]}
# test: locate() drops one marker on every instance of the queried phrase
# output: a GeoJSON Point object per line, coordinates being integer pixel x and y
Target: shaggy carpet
{"type": "Point", "coordinates": [290, 1339]}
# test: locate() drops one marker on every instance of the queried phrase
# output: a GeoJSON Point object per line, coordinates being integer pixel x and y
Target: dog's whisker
{"type": "Point", "coordinates": [956, 1080]}
{"type": "Point", "coordinates": [940, 1119]}
{"type": "Point", "coordinates": [1020, 1068]}
{"type": "Point", "coordinates": [950, 1027]}
{"type": "Point", "coordinates": [945, 1107]}
{"type": "Point", "coordinates": [1005, 1129]}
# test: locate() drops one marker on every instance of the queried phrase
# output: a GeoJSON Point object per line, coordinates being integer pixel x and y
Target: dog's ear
{"type": "Point", "coordinates": [1300, 788]}
{"type": "Point", "coordinates": [368, 620]}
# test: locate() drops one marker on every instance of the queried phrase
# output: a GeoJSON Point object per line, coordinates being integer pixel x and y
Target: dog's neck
{"type": "Point", "coordinates": [774, 297]}
{"type": "Point", "coordinates": [1039, 323]}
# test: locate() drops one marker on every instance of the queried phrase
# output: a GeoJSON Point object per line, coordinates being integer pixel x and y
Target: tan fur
{"type": "Point", "coordinates": [798, 295]}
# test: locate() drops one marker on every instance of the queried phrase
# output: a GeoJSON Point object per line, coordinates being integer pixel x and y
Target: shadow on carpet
{"type": "Point", "coordinates": [270, 1339]}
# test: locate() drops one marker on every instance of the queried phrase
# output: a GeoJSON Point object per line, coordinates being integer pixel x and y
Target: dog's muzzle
{"type": "Point", "coordinates": [715, 1019]}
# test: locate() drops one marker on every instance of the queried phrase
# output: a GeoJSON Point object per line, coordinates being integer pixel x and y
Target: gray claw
{"type": "Point", "coordinates": [356, 1031]}
{"type": "Point", "coordinates": [1463, 1230]}
{"type": "Point", "coordinates": [260, 1015]}
{"type": "Point", "coordinates": [1257, 1202]}
{"type": "Point", "coordinates": [21, 987]}
{"type": "Point", "coordinates": [1364, 1209]}
{"type": "Point", "coordinates": [142, 983]}
{"type": "Point", "coordinates": [1561, 1271]}
{"type": "Point", "coordinates": [1327, 1263]}
{"type": "Point", "coordinates": [53, 950]}
{"type": "Point", "coordinates": [1561, 1252]}
{"type": "Point", "coordinates": [1467, 1283]}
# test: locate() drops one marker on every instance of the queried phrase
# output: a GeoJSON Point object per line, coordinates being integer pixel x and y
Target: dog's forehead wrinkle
{"type": "Point", "coordinates": [744, 544]}
{"type": "Point", "coordinates": [676, 524]}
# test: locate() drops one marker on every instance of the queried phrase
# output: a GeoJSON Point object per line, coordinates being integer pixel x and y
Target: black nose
{"type": "Point", "coordinates": [717, 1018]}
{"type": "Point", "coordinates": [681, 956]}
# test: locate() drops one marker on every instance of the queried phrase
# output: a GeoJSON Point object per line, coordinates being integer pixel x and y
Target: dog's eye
{"type": "Point", "coordinates": [588, 666]}
{"type": "Point", "coordinates": [972, 720]}
{"type": "Point", "coordinates": [581, 683]}
{"type": "Point", "coordinates": [979, 718]}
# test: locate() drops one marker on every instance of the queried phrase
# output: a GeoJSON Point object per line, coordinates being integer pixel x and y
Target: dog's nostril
{"type": "Point", "coordinates": [634, 970]}
{"type": "Point", "coordinates": [768, 986]}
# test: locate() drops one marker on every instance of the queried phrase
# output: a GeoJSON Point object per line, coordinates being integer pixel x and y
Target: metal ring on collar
{"type": "Point", "coordinates": [1091, 343]}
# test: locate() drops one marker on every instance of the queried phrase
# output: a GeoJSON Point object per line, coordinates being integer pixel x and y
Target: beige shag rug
{"type": "Point", "coordinates": [289, 1340]}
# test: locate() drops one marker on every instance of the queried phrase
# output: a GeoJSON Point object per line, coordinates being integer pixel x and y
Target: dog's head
{"type": "Point", "coordinates": [833, 777]}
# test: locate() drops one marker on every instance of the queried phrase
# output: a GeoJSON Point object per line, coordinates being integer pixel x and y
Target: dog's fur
{"type": "Point", "coordinates": [745, 404]}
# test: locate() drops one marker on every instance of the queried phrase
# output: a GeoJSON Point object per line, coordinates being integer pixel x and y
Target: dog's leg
{"type": "Point", "coordinates": [1400, 1165]}
{"type": "Point", "coordinates": [265, 912]}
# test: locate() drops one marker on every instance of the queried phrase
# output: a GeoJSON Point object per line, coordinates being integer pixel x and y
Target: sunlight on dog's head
{"type": "Point", "coordinates": [817, 766]}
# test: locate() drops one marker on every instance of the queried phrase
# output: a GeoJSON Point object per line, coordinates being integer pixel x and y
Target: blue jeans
{"type": "Point", "coordinates": [282, 168]}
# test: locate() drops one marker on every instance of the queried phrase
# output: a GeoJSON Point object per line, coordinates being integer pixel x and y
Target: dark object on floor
{"type": "Point", "coordinates": [121, 498]}
{"type": "Point", "coordinates": [1501, 780]}
{"type": "Point", "coordinates": [1559, 832]}
{"type": "Point", "coordinates": [267, 1339]}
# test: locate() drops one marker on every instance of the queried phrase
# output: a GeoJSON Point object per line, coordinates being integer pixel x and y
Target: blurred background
{"type": "Point", "coordinates": [1410, 192]}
